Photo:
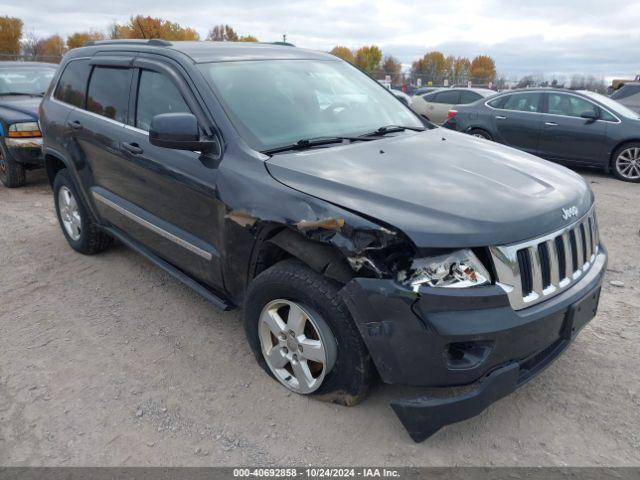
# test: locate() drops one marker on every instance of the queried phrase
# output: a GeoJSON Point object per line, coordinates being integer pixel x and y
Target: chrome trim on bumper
{"type": "Point", "coordinates": [29, 142]}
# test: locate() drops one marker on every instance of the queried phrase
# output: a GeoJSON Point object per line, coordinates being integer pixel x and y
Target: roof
{"type": "Point", "coordinates": [207, 51]}
{"type": "Point", "coordinates": [11, 64]}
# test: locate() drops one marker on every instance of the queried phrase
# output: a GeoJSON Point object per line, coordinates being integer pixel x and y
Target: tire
{"type": "Point", "coordinates": [348, 379]}
{"type": "Point", "coordinates": [83, 235]}
{"type": "Point", "coordinates": [625, 163]}
{"type": "Point", "coordinates": [12, 174]}
{"type": "Point", "coordinates": [478, 132]}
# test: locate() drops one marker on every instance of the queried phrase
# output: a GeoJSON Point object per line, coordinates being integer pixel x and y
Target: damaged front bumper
{"type": "Point", "coordinates": [26, 151]}
{"type": "Point", "coordinates": [443, 337]}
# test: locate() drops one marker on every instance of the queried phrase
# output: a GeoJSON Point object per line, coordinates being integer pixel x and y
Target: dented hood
{"type": "Point", "coordinates": [441, 188]}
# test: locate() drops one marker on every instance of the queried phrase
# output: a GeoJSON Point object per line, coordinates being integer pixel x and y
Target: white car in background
{"type": "Point", "coordinates": [436, 105]}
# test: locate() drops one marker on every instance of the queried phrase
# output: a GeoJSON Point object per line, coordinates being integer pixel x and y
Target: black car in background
{"type": "Point", "coordinates": [577, 128]}
{"type": "Point", "coordinates": [22, 85]}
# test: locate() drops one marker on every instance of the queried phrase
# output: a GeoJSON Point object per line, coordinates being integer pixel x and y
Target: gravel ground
{"type": "Point", "coordinates": [106, 360]}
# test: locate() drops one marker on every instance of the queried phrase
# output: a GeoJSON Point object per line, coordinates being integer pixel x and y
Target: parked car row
{"type": "Point", "coordinates": [577, 128]}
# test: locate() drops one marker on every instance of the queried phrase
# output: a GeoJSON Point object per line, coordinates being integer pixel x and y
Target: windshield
{"type": "Point", "coordinates": [617, 107]}
{"type": "Point", "coordinates": [27, 80]}
{"type": "Point", "coordinates": [278, 102]}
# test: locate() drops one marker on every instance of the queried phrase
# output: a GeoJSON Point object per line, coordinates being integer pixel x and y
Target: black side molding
{"type": "Point", "coordinates": [197, 287]}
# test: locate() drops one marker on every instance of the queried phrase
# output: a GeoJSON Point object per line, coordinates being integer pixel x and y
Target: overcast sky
{"type": "Point", "coordinates": [548, 37]}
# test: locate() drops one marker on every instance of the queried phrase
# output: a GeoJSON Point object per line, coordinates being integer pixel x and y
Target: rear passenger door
{"type": "Point", "coordinates": [165, 198]}
{"type": "Point", "coordinates": [517, 120]}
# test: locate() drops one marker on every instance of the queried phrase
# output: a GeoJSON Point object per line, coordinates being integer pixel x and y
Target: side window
{"type": "Point", "coordinates": [604, 115]}
{"type": "Point", "coordinates": [626, 91]}
{"type": "Point", "coordinates": [108, 93]}
{"type": "Point", "coordinates": [569, 105]}
{"type": "Point", "coordinates": [157, 94]}
{"type": "Point", "coordinates": [498, 102]}
{"type": "Point", "coordinates": [523, 102]}
{"type": "Point", "coordinates": [429, 97]}
{"type": "Point", "coordinates": [451, 97]}
{"type": "Point", "coordinates": [467, 96]}
{"type": "Point", "coordinates": [72, 85]}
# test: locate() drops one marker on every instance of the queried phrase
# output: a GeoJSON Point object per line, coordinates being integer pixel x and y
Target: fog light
{"type": "Point", "coordinates": [467, 355]}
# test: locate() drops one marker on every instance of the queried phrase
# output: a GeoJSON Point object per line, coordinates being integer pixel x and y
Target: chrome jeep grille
{"type": "Point", "coordinates": [533, 271]}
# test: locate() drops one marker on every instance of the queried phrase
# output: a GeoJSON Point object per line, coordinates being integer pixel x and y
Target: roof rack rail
{"type": "Point", "coordinates": [155, 42]}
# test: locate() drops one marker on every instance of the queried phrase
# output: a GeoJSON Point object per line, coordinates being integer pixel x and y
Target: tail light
{"type": "Point", "coordinates": [451, 114]}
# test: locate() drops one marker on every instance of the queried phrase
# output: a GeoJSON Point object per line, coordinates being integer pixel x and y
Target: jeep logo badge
{"type": "Point", "coordinates": [567, 213]}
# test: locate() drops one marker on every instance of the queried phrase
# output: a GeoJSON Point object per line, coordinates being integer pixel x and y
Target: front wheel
{"type": "Point", "coordinates": [303, 335]}
{"type": "Point", "coordinates": [625, 163]}
{"type": "Point", "coordinates": [12, 174]}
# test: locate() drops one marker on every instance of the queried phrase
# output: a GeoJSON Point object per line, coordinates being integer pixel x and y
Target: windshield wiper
{"type": "Point", "coordinates": [305, 143]}
{"type": "Point", "coordinates": [392, 129]}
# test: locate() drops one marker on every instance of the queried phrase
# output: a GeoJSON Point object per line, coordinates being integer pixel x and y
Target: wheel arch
{"type": "Point", "coordinates": [53, 163]}
{"type": "Point", "coordinates": [618, 146]}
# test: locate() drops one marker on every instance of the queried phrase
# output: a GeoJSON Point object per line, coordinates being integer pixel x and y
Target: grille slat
{"type": "Point", "coordinates": [538, 269]}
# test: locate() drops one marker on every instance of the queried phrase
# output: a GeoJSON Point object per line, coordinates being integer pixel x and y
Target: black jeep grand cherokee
{"type": "Point", "coordinates": [361, 242]}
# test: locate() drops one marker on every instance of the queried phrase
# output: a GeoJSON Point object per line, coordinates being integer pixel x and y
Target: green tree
{"type": "Point", "coordinates": [368, 58]}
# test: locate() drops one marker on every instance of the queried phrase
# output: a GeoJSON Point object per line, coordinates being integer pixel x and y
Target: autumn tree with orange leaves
{"type": "Point", "coordinates": [78, 39]}
{"type": "Point", "coordinates": [482, 70]}
{"type": "Point", "coordinates": [10, 34]}
{"type": "Point", "coordinates": [142, 27]}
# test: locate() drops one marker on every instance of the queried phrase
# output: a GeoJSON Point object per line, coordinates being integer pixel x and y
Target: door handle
{"type": "Point", "coordinates": [500, 117]}
{"type": "Point", "coordinates": [75, 124]}
{"type": "Point", "coordinates": [132, 148]}
{"type": "Point", "coordinates": [551, 124]}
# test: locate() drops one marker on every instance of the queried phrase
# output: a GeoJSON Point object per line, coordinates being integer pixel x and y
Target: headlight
{"type": "Point", "coordinates": [24, 130]}
{"type": "Point", "coordinates": [459, 269]}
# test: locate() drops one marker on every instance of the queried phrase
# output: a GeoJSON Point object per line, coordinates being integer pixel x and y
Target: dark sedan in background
{"type": "Point", "coordinates": [577, 128]}
{"type": "Point", "coordinates": [22, 85]}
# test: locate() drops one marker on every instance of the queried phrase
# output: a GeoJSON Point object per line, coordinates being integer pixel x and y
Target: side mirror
{"type": "Point", "coordinates": [589, 115]}
{"type": "Point", "coordinates": [179, 131]}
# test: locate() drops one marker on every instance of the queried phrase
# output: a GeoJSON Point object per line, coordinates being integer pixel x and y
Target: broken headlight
{"type": "Point", "coordinates": [459, 269]}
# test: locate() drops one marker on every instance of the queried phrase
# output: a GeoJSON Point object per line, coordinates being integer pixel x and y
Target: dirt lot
{"type": "Point", "coordinates": [106, 360]}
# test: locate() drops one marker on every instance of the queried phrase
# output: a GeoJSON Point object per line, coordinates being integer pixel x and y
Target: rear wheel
{"type": "Point", "coordinates": [81, 232]}
{"type": "Point", "coordinates": [479, 133]}
{"type": "Point", "coordinates": [625, 163]}
{"type": "Point", "coordinates": [12, 174]}
{"type": "Point", "coordinates": [302, 334]}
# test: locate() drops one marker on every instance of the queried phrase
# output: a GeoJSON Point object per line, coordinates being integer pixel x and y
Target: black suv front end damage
{"type": "Point", "coordinates": [442, 337]}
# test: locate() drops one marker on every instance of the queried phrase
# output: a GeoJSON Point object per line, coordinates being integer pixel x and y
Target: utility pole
{"type": "Point", "coordinates": [284, 38]}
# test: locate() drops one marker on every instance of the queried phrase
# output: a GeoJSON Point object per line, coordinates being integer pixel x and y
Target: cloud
{"type": "Point", "coordinates": [546, 36]}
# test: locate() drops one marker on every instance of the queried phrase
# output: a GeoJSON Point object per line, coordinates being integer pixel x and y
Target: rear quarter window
{"type": "Point", "coordinates": [72, 85]}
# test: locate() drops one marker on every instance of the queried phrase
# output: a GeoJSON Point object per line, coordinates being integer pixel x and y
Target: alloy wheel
{"type": "Point", "coordinates": [628, 163]}
{"type": "Point", "coordinates": [69, 213]}
{"type": "Point", "coordinates": [297, 345]}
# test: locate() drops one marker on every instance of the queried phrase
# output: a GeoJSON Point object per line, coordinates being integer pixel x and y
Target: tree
{"type": "Point", "coordinates": [78, 39]}
{"type": "Point", "coordinates": [483, 69]}
{"type": "Point", "coordinates": [391, 66]}
{"type": "Point", "coordinates": [222, 33]}
{"type": "Point", "coordinates": [461, 67]}
{"type": "Point", "coordinates": [10, 35]}
{"type": "Point", "coordinates": [343, 52]}
{"type": "Point", "coordinates": [247, 38]}
{"type": "Point", "coordinates": [52, 48]}
{"type": "Point", "coordinates": [152, 27]}
{"type": "Point", "coordinates": [368, 58]}
{"type": "Point", "coordinates": [432, 66]}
